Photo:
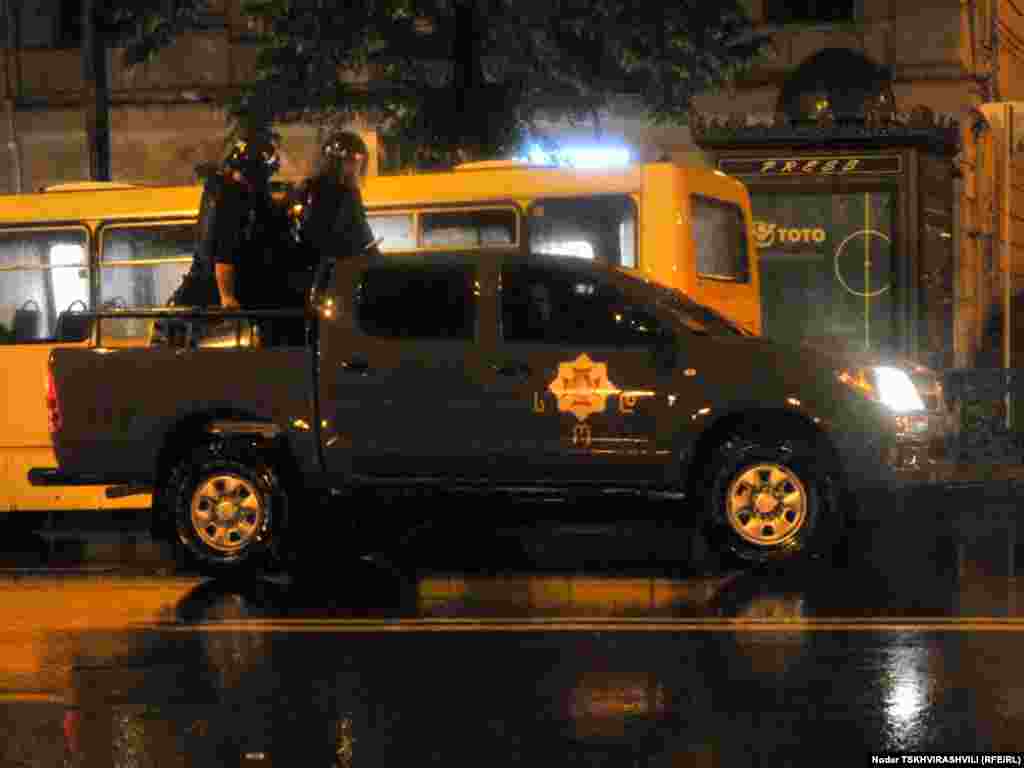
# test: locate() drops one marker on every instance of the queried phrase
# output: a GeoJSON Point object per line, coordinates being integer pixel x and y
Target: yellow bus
{"type": "Point", "coordinates": [67, 249]}
{"type": "Point", "coordinates": [684, 227]}
{"type": "Point", "coordinates": [87, 245]}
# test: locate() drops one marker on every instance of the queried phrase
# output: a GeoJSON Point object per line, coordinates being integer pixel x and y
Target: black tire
{"type": "Point", "coordinates": [249, 536]}
{"type": "Point", "coordinates": [776, 468]}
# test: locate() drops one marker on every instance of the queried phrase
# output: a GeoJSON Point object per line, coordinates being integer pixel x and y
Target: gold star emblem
{"type": "Point", "coordinates": [582, 387]}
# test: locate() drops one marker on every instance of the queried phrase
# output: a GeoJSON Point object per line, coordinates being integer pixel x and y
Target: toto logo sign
{"type": "Point", "coordinates": [767, 233]}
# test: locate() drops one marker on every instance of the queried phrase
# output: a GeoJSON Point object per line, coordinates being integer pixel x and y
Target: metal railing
{"type": "Point", "coordinates": [190, 318]}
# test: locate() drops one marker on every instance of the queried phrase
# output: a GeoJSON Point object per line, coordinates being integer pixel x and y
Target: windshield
{"type": "Point", "coordinates": [697, 317]}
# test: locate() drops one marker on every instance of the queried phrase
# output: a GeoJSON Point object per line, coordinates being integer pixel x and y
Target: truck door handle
{"type": "Point", "coordinates": [520, 370]}
{"type": "Point", "coordinates": [356, 365]}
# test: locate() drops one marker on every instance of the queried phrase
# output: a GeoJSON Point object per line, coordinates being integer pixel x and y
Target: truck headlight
{"type": "Point", "coordinates": [889, 386]}
{"type": "Point", "coordinates": [897, 390]}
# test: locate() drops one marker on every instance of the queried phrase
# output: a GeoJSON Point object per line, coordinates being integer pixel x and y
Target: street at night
{"type": "Point", "coordinates": [568, 645]}
{"type": "Point", "coordinates": [502, 383]}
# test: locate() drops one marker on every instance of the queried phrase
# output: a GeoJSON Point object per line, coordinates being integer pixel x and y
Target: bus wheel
{"type": "Point", "coordinates": [226, 502]}
{"type": "Point", "coordinates": [768, 499]}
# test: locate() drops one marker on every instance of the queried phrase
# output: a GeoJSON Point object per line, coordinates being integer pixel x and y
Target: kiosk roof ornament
{"type": "Point", "coordinates": [837, 96]}
{"type": "Point", "coordinates": [840, 81]}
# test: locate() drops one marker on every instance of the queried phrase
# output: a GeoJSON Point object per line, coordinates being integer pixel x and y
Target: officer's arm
{"type": "Point", "coordinates": [229, 226]}
{"type": "Point", "coordinates": [226, 285]}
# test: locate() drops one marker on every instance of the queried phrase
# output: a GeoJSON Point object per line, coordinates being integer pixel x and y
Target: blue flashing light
{"type": "Point", "coordinates": [581, 156]}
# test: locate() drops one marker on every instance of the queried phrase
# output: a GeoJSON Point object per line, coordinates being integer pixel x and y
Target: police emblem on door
{"type": "Point", "coordinates": [582, 387]}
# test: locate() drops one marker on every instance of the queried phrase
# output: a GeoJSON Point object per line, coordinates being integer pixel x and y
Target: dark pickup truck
{"type": "Point", "coordinates": [500, 370]}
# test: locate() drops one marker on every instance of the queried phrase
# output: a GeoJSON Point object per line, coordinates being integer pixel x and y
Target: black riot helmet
{"type": "Point", "coordinates": [254, 157]}
{"type": "Point", "coordinates": [342, 146]}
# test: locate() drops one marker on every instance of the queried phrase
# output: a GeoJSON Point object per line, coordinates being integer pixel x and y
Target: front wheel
{"type": "Point", "coordinates": [227, 503]}
{"type": "Point", "coordinates": [770, 500]}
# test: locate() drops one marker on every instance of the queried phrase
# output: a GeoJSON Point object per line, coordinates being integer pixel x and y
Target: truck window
{"type": "Point", "coordinates": [601, 227]}
{"type": "Point", "coordinates": [396, 229]}
{"type": "Point", "coordinates": [43, 272]}
{"type": "Point", "coordinates": [417, 301]}
{"type": "Point", "coordinates": [468, 228]}
{"type": "Point", "coordinates": [719, 239]}
{"type": "Point", "coordinates": [557, 307]}
{"type": "Point", "coordinates": [140, 266]}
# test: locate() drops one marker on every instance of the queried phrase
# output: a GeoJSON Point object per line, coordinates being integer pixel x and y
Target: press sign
{"type": "Point", "coordinates": [827, 165]}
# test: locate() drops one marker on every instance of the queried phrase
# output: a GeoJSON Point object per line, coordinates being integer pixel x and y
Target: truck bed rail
{"type": "Point", "coordinates": [190, 315]}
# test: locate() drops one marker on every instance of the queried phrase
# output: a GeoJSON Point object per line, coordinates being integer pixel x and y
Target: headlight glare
{"type": "Point", "coordinates": [897, 391]}
{"type": "Point", "coordinates": [889, 386]}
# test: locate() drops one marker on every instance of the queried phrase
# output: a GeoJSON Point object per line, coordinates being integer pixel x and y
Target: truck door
{"type": "Point", "coordinates": [400, 366]}
{"type": "Point", "coordinates": [576, 387]}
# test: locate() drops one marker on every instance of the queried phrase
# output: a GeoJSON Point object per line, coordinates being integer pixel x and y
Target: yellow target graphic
{"type": "Point", "coordinates": [867, 234]}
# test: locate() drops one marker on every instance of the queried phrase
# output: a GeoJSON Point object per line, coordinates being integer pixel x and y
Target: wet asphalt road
{"type": "Point", "coordinates": [571, 646]}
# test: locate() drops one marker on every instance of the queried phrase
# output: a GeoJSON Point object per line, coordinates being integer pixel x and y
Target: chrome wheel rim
{"type": "Point", "coordinates": [228, 513]}
{"type": "Point", "coordinates": [766, 504]}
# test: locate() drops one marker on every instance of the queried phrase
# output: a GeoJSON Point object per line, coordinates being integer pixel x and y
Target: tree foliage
{"type": "Point", "coordinates": [453, 79]}
{"type": "Point", "coordinates": [145, 27]}
{"type": "Point", "coordinates": [472, 78]}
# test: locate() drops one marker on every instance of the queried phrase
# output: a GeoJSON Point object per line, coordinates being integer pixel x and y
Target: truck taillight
{"type": "Point", "coordinates": [52, 404]}
{"type": "Point", "coordinates": [72, 726]}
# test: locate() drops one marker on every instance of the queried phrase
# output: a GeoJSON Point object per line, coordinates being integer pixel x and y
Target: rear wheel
{"type": "Point", "coordinates": [227, 505]}
{"type": "Point", "coordinates": [770, 499]}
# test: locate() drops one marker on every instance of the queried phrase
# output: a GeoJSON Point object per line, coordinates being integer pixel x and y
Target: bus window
{"type": "Point", "coordinates": [719, 240]}
{"type": "Point", "coordinates": [43, 272]}
{"type": "Point", "coordinates": [601, 227]}
{"type": "Point", "coordinates": [395, 229]}
{"type": "Point", "coordinates": [468, 228]}
{"type": "Point", "coordinates": [577, 249]}
{"type": "Point", "coordinates": [141, 265]}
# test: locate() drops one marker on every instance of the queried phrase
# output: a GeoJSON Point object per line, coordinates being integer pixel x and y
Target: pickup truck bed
{"type": "Point", "coordinates": [131, 398]}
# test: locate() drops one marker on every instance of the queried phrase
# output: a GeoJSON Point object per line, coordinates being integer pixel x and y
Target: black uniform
{"type": "Point", "coordinates": [336, 223]}
{"type": "Point", "coordinates": [277, 272]}
{"type": "Point", "coordinates": [224, 218]}
{"type": "Point", "coordinates": [227, 211]}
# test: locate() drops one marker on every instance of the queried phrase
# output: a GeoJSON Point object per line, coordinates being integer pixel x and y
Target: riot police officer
{"type": "Point", "coordinates": [278, 272]}
{"type": "Point", "coordinates": [236, 204]}
{"type": "Point", "coordinates": [235, 198]}
{"type": "Point", "coordinates": [335, 219]}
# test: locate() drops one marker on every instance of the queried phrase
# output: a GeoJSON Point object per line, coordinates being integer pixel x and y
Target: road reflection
{"type": "Point", "coordinates": [912, 646]}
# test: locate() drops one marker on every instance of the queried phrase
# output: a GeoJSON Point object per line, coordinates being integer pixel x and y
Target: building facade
{"type": "Point", "coordinates": [901, 86]}
{"type": "Point", "coordinates": [874, 177]}
{"type": "Point", "coordinates": [875, 181]}
{"type": "Point", "coordinates": [165, 117]}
